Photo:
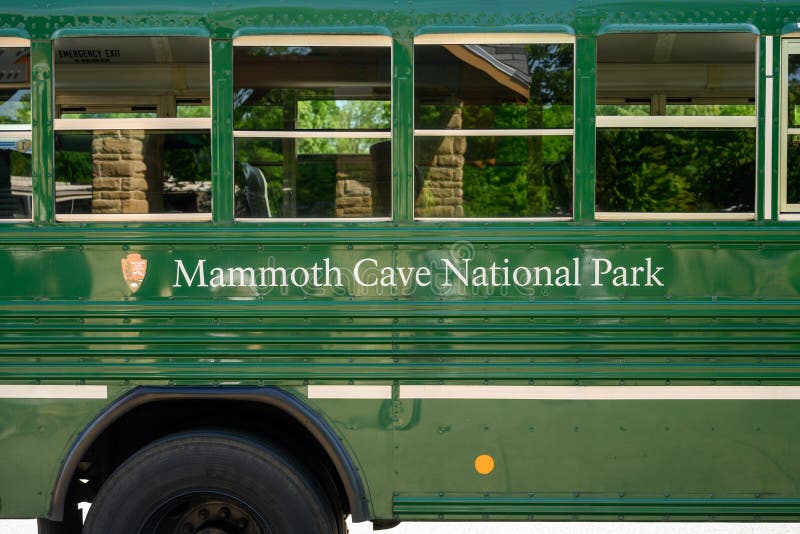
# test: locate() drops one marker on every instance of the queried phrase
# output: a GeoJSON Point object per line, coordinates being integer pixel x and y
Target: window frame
{"type": "Point", "coordinates": [150, 125]}
{"type": "Point", "coordinates": [478, 38]}
{"type": "Point", "coordinates": [786, 210]}
{"type": "Point", "coordinates": [321, 40]}
{"type": "Point", "coordinates": [685, 121]}
{"type": "Point", "coordinates": [14, 131]}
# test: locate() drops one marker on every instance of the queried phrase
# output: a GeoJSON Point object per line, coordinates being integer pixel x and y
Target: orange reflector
{"type": "Point", "coordinates": [484, 464]}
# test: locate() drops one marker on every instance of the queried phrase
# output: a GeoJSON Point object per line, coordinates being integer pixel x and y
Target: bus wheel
{"type": "Point", "coordinates": [212, 482]}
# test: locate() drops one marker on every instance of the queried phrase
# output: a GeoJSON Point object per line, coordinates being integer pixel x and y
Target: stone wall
{"type": "Point", "coordinates": [355, 181]}
{"type": "Point", "coordinates": [439, 173]}
{"type": "Point", "coordinates": [125, 173]}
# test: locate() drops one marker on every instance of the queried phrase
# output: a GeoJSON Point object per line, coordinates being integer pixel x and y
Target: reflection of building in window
{"type": "Point", "coordinates": [140, 143]}
{"type": "Point", "coordinates": [15, 134]}
{"type": "Point", "coordinates": [493, 128]}
{"type": "Point", "coordinates": [314, 119]}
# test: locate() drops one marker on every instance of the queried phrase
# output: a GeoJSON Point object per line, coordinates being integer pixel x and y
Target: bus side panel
{"type": "Point", "coordinates": [37, 435]}
{"type": "Point", "coordinates": [658, 450]}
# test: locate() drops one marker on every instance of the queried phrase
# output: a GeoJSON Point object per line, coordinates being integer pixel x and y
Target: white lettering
{"type": "Point", "coordinates": [598, 271]}
{"type": "Point", "coordinates": [199, 270]}
{"type": "Point", "coordinates": [652, 276]}
{"type": "Point", "coordinates": [449, 267]}
{"type": "Point", "coordinates": [357, 272]}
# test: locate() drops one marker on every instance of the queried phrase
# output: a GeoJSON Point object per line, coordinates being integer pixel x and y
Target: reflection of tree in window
{"type": "Point", "coordinates": [700, 164]}
{"type": "Point", "coordinates": [503, 87]}
{"type": "Point", "coordinates": [313, 89]}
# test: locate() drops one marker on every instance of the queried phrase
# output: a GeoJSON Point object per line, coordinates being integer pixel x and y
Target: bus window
{"type": "Point", "coordinates": [790, 127]}
{"type": "Point", "coordinates": [676, 126]}
{"type": "Point", "coordinates": [15, 130]}
{"type": "Point", "coordinates": [132, 128]}
{"type": "Point", "coordinates": [312, 127]}
{"type": "Point", "coordinates": [494, 126]}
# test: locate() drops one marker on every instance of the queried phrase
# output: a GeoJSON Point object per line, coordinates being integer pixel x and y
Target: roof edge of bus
{"type": "Point", "coordinates": [15, 32]}
{"type": "Point", "coordinates": [513, 28]}
{"type": "Point", "coordinates": [792, 27]}
{"type": "Point", "coordinates": [677, 28]}
{"type": "Point", "coordinates": [248, 31]}
{"type": "Point", "coordinates": [141, 31]}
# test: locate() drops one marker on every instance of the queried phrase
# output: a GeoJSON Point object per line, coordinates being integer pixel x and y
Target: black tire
{"type": "Point", "coordinates": [216, 481]}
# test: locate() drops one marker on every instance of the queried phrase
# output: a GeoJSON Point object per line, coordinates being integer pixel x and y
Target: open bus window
{"type": "Point", "coordinates": [676, 126]}
{"type": "Point", "coordinates": [15, 130]}
{"type": "Point", "coordinates": [132, 139]}
{"type": "Point", "coordinates": [312, 127]}
{"type": "Point", "coordinates": [494, 126]}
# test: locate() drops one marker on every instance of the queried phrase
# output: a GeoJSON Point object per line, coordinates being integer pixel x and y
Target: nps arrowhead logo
{"type": "Point", "coordinates": [134, 269]}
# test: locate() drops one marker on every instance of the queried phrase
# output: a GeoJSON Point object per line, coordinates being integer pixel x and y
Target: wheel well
{"type": "Point", "coordinates": [267, 414]}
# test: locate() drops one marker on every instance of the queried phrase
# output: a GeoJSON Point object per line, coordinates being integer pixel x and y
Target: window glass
{"type": "Point", "coordinates": [494, 86]}
{"type": "Point", "coordinates": [15, 135]}
{"type": "Point", "coordinates": [624, 109]}
{"type": "Point", "coordinates": [692, 150]}
{"type": "Point", "coordinates": [793, 83]}
{"type": "Point", "coordinates": [312, 135]}
{"type": "Point", "coordinates": [280, 177]}
{"type": "Point", "coordinates": [494, 176]}
{"type": "Point", "coordinates": [662, 170]}
{"type": "Point", "coordinates": [791, 166]}
{"type": "Point", "coordinates": [510, 110]}
{"type": "Point", "coordinates": [132, 172]}
{"type": "Point", "coordinates": [793, 170]}
{"type": "Point", "coordinates": [132, 126]}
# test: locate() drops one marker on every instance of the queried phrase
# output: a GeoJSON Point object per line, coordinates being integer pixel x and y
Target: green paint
{"type": "Point", "coordinates": [727, 313]}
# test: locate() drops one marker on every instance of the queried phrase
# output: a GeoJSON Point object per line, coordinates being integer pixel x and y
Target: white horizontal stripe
{"type": "Point", "coordinates": [134, 217]}
{"type": "Point", "coordinates": [199, 123]}
{"type": "Point", "coordinates": [602, 392]}
{"type": "Point", "coordinates": [314, 134]}
{"type": "Point", "coordinates": [14, 42]}
{"type": "Point", "coordinates": [313, 40]}
{"type": "Point", "coordinates": [349, 392]}
{"type": "Point", "coordinates": [510, 132]}
{"type": "Point", "coordinates": [494, 38]}
{"type": "Point", "coordinates": [690, 121]}
{"type": "Point", "coordinates": [658, 216]}
{"type": "Point", "coordinates": [278, 220]}
{"type": "Point", "coordinates": [493, 219]}
{"type": "Point", "coordinates": [53, 392]}
{"type": "Point", "coordinates": [15, 127]}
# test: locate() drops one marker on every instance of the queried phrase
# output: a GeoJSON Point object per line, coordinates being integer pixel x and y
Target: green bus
{"type": "Point", "coordinates": [264, 265]}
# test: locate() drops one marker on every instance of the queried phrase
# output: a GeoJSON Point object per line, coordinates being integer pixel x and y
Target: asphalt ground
{"type": "Point", "coordinates": [29, 527]}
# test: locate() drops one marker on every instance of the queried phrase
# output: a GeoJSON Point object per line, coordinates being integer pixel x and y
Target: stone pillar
{"type": "Point", "coordinates": [125, 177]}
{"type": "Point", "coordinates": [354, 185]}
{"type": "Point", "coordinates": [439, 173]}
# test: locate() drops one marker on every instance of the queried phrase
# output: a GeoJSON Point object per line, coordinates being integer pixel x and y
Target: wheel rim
{"type": "Point", "coordinates": [205, 513]}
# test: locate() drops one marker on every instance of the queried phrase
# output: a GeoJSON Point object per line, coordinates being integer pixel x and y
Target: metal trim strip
{"type": "Point", "coordinates": [349, 392]}
{"type": "Point", "coordinates": [600, 392]}
{"type": "Point", "coordinates": [493, 133]}
{"type": "Point", "coordinates": [199, 123]}
{"type": "Point", "coordinates": [768, 102]}
{"type": "Point", "coordinates": [662, 216]}
{"type": "Point", "coordinates": [651, 121]}
{"type": "Point", "coordinates": [63, 391]}
{"type": "Point", "coordinates": [313, 134]}
{"type": "Point", "coordinates": [14, 42]}
{"type": "Point", "coordinates": [312, 40]}
{"type": "Point", "coordinates": [494, 38]}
